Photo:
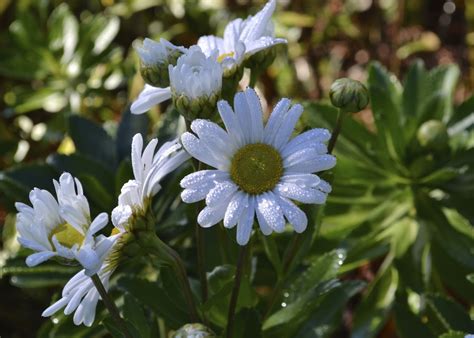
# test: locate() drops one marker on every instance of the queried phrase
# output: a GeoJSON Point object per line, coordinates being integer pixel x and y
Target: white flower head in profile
{"type": "Point", "coordinates": [80, 296]}
{"type": "Point", "coordinates": [62, 227]}
{"type": "Point", "coordinates": [196, 75]}
{"type": "Point", "coordinates": [148, 170]}
{"type": "Point", "coordinates": [152, 52]}
{"type": "Point", "coordinates": [155, 58]}
{"type": "Point", "coordinates": [243, 38]}
{"type": "Point", "coordinates": [259, 168]}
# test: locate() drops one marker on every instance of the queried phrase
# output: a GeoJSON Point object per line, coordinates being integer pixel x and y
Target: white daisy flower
{"type": "Point", "coordinates": [152, 53]}
{"type": "Point", "coordinates": [79, 295]}
{"type": "Point", "coordinates": [62, 227]}
{"type": "Point", "coordinates": [194, 77]}
{"type": "Point", "coordinates": [243, 38]}
{"type": "Point", "coordinates": [259, 168]}
{"type": "Point", "coordinates": [155, 58]}
{"type": "Point", "coordinates": [148, 169]}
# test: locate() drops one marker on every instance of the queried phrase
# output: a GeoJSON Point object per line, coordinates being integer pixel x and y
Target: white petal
{"type": "Point", "coordinates": [295, 216]}
{"type": "Point", "coordinates": [55, 307]}
{"type": "Point", "coordinates": [192, 195]}
{"type": "Point", "coordinates": [244, 226]}
{"type": "Point", "coordinates": [264, 227]}
{"type": "Point", "coordinates": [137, 166]}
{"type": "Point", "coordinates": [221, 193]}
{"type": "Point", "coordinates": [197, 178]}
{"type": "Point", "coordinates": [230, 121]}
{"type": "Point", "coordinates": [89, 259]}
{"type": "Point", "coordinates": [304, 195]}
{"type": "Point", "coordinates": [288, 125]}
{"type": "Point", "coordinates": [319, 163]}
{"type": "Point", "coordinates": [275, 120]}
{"type": "Point", "coordinates": [213, 136]}
{"type": "Point", "coordinates": [209, 43]}
{"type": "Point", "coordinates": [98, 223]}
{"type": "Point", "coordinates": [305, 180]}
{"type": "Point", "coordinates": [39, 257]}
{"type": "Point", "coordinates": [262, 43]}
{"type": "Point", "coordinates": [211, 216]}
{"type": "Point", "coordinates": [149, 97]}
{"type": "Point", "coordinates": [237, 204]}
{"type": "Point", "coordinates": [200, 151]}
{"type": "Point", "coordinates": [271, 211]}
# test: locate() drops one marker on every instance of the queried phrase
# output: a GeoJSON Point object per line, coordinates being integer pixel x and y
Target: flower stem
{"type": "Point", "coordinates": [110, 305]}
{"type": "Point", "coordinates": [180, 270]}
{"type": "Point", "coordinates": [336, 131]}
{"type": "Point", "coordinates": [235, 290]}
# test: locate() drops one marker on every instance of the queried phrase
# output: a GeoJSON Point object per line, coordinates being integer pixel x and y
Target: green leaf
{"type": "Point", "coordinates": [408, 324]}
{"type": "Point", "coordinates": [327, 317]}
{"type": "Point", "coordinates": [298, 310]}
{"type": "Point", "coordinates": [93, 141]}
{"type": "Point", "coordinates": [156, 298]}
{"type": "Point", "coordinates": [133, 312]}
{"type": "Point", "coordinates": [321, 269]}
{"type": "Point", "coordinates": [453, 334]}
{"type": "Point", "coordinates": [385, 97]}
{"type": "Point", "coordinates": [80, 165]}
{"type": "Point", "coordinates": [130, 125]}
{"type": "Point", "coordinates": [271, 250]}
{"type": "Point", "coordinates": [97, 194]}
{"type": "Point", "coordinates": [443, 314]}
{"type": "Point", "coordinates": [372, 312]}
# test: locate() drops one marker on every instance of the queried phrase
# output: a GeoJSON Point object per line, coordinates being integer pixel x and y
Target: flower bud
{"type": "Point", "coordinates": [349, 95]}
{"type": "Point", "coordinates": [155, 58]}
{"type": "Point", "coordinates": [195, 330]}
{"type": "Point", "coordinates": [433, 135]}
{"type": "Point", "coordinates": [196, 84]}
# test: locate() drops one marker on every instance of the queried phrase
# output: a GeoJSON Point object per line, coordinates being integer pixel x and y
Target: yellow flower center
{"type": "Point", "coordinates": [114, 231]}
{"type": "Point", "coordinates": [256, 168]}
{"type": "Point", "coordinates": [221, 57]}
{"type": "Point", "coordinates": [67, 235]}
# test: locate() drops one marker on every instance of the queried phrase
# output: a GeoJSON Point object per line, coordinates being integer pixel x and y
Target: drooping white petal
{"type": "Point", "coordinates": [300, 194]}
{"type": "Point", "coordinates": [236, 205]}
{"type": "Point", "coordinates": [39, 257]}
{"type": "Point", "coordinates": [199, 150]}
{"type": "Point", "coordinates": [149, 97]}
{"type": "Point", "coordinates": [295, 216]}
{"type": "Point", "coordinates": [197, 178]}
{"type": "Point", "coordinates": [270, 210]}
{"type": "Point", "coordinates": [316, 164]}
{"type": "Point", "coordinates": [244, 226]}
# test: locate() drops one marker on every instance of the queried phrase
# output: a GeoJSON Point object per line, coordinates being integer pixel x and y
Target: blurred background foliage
{"type": "Point", "coordinates": [68, 72]}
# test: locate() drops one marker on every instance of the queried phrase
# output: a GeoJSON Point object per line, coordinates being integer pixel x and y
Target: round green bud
{"type": "Point", "coordinates": [349, 95]}
{"type": "Point", "coordinates": [433, 135]}
{"type": "Point", "coordinates": [195, 330]}
{"type": "Point", "coordinates": [157, 74]}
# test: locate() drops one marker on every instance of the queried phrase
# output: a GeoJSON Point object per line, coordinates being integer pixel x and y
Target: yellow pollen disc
{"type": "Point", "coordinates": [115, 231]}
{"type": "Point", "coordinates": [67, 235]}
{"type": "Point", "coordinates": [256, 168]}
{"type": "Point", "coordinates": [221, 57]}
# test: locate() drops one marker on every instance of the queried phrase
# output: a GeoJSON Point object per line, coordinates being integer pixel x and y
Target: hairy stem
{"type": "Point", "coordinates": [110, 305]}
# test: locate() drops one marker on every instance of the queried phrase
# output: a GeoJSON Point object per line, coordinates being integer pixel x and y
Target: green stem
{"type": "Point", "coordinates": [235, 290]}
{"type": "Point", "coordinates": [110, 305]}
{"type": "Point", "coordinates": [336, 131]}
{"type": "Point", "coordinates": [180, 270]}
{"type": "Point", "coordinates": [253, 78]}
